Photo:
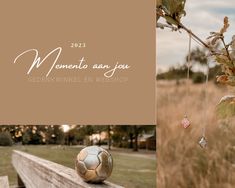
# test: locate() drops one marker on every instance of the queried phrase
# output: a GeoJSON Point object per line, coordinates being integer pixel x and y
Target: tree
{"type": "Point", "coordinates": [140, 129]}
{"type": "Point", "coordinates": [123, 134]}
{"type": "Point", "coordinates": [26, 138]}
{"type": "Point", "coordinates": [198, 55]}
{"type": "Point", "coordinates": [54, 134]}
{"type": "Point", "coordinates": [132, 133]}
{"type": "Point", "coordinates": [5, 139]}
{"type": "Point", "coordinates": [175, 73]}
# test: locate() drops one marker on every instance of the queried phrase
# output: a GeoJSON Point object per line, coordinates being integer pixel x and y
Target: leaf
{"type": "Point", "coordinates": [230, 71]}
{"type": "Point", "coordinates": [233, 43]}
{"type": "Point", "coordinates": [214, 33]}
{"type": "Point", "coordinates": [222, 59]}
{"type": "Point", "coordinates": [225, 79]}
{"type": "Point", "coordinates": [214, 40]}
{"type": "Point", "coordinates": [174, 8]}
{"type": "Point", "coordinates": [227, 98]}
{"type": "Point", "coordinates": [222, 79]}
{"type": "Point", "coordinates": [160, 25]}
{"type": "Point", "coordinates": [225, 27]}
{"type": "Point", "coordinates": [170, 20]}
{"type": "Point", "coordinates": [211, 36]}
{"type": "Point", "coordinates": [226, 106]}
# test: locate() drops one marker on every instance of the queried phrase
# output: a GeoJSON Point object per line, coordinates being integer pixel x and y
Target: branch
{"type": "Point", "coordinates": [195, 36]}
{"type": "Point", "coordinates": [162, 26]}
{"type": "Point", "coordinates": [226, 48]}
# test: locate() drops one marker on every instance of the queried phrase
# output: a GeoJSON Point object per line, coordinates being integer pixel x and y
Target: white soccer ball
{"type": "Point", "coordinates": [94, 164]}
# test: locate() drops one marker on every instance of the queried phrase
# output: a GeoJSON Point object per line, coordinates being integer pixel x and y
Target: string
{"type": "Point", "coordinates": [206, 83]}
{"type": "Point", "coordinates": [197, 42]}
{"type": "Point", "coordinates": [188, 71]}
{"type": "Point", "coordinates": [206, 102]}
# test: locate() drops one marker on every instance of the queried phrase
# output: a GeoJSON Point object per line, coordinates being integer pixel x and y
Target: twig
{"type": "Point", "coordinates": [226, 48]}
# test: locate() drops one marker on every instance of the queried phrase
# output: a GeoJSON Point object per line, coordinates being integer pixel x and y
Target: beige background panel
{"type": "Point", "coordinates": [113, 30]}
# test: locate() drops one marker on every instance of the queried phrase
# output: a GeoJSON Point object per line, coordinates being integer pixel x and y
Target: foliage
{"type": "Point", "coordinates": [226, 107]}
{"type": "Point", "coordinates": [225, 56]}
{"type": "Point", "coordinates": [198, 78]}
{"type": "Point", "coordinates": [198, 55]}
{"type": "Point", "coordinates": [179, 72]}
{"type": "Point", "coordinates": [26, 138]}
{"type": "Point", "coordinates": [120, 136]}
{"type": "Point", "coordinates": [172, 11]}
{"type": "Point", "coordinates": [35, 134]}
{"type": "Point", "coordinates": [5, 139]}
{"type": "Point", "coordinates": [174, 72]}
{"type": "Point", "coordinates": [124, 133]}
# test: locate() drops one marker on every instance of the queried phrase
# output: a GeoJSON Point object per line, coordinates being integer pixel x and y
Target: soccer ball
{"type": "Point", "coordinates": [94, 164]}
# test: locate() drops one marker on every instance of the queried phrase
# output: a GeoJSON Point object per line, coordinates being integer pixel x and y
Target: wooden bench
{"type": "Point", "coordinates": [35, 172]}
{"type": "Point", "coordinates": [4, 182]}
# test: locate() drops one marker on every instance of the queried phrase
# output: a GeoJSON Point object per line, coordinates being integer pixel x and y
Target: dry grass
{"type": "Point", "coordinates": [181, 161]}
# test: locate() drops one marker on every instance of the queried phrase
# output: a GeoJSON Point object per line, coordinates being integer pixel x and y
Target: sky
{"type": "Point", "coordinates": [202, 17]}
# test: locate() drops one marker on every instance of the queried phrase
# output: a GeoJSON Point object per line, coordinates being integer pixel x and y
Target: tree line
{"type": "Point", "coordinates": [118, 136]}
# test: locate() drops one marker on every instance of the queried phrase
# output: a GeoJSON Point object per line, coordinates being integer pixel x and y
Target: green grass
{"type": "Point", "coordinates": [129, 170]}
{"type": "Point", "coordinates": [6, 169]}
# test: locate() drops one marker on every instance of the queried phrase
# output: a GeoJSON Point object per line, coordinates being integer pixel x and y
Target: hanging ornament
{"type": "Point", "coordinates": [185, 122]}
{"type": "Point", "coordinates": [202, 142]}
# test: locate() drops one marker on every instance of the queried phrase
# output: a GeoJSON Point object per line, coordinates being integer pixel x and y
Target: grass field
{"type": "Point", "coordinates": [181, 161]}
{"type": "Point", "coordinates": [130, 170]}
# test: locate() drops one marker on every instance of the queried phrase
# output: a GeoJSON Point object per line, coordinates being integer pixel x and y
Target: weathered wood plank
{"type": "Point", "coordinates": [36, 172]}
{"type": "Point", "coordinates": [4, 182]}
